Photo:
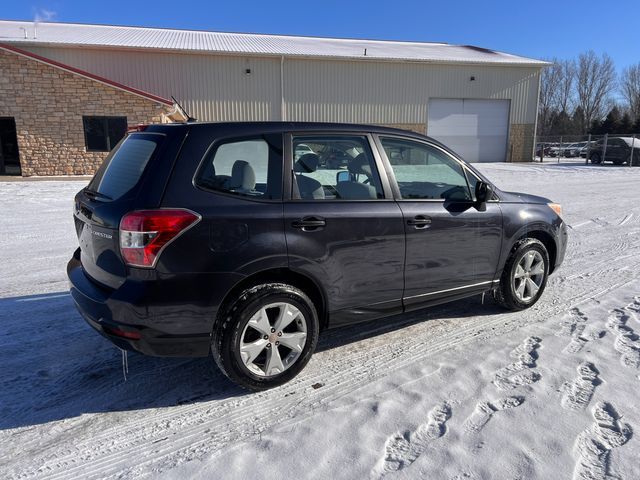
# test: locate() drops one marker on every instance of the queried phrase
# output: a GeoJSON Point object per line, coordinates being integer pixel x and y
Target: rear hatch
{"type": "Point", "coordinates": [132, 177]}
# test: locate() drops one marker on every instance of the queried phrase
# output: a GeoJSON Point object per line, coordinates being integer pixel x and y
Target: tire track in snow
{"type": "Point", "coordinates": [521, 371]}
{"type": "Point", "coordinates": [197, 429]}
{"type": "Point", "coordinates": [402, 449]}
{"type": "Point", "coordinates": [593, 446]}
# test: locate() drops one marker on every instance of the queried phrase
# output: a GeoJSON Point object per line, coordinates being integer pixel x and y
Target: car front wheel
{"type": "Point", "coordinates": [266, 337]}
{"type": "Point", "coordinates": [524, 276]}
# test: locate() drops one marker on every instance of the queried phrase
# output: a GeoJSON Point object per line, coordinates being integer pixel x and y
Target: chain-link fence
{"type": "Point", "coordinates": [594, 149]}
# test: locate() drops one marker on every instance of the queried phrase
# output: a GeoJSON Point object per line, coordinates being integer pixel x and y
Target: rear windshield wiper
{"type": "Point", "coordinates": [95, 194]}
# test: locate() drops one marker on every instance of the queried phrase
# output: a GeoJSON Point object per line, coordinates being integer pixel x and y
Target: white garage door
{"type": "Point", "coordinates": [475, 129]}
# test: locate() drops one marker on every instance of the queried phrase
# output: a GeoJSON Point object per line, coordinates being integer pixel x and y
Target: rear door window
{"type": "Point", "coordinates": [246, 167]}
{"type": "Point", "coordinates": [335, 167]}
{"type": "Point", "coordinates": [123, 167]}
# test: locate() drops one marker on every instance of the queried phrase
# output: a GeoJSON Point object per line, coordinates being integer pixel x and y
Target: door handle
{"type": "Point", "coordinates": [419, 222]}
{"type": "Point", "coordinates": [309, 224]}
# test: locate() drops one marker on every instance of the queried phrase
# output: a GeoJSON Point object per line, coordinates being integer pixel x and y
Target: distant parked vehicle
{"type": "Point", "coordinates": [554, 150]}
{"type": "Point", "coordinates": [618, 151]}
{"type": "Point", "coordinates": [586, 148]}
{"type": "Point", "coordinates": [573, 149]}
{"type": "Point", "coordinates": [539, 149]}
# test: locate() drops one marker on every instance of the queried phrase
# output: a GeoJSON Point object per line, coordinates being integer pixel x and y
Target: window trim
{"type": "Point", "coordinates": [235, 139]}
{"type": "Point", "coordinates": [105, 119]}
{"type": "Point", "coordinates": [392, 177]}
{"type": "Point", "coordinates": [387, 189]}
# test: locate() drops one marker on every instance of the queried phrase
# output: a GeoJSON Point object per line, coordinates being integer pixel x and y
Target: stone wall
{"type": "Point", "coordinates": [521, 142]}
{"type": "Point", "coordinates": [48, 104]}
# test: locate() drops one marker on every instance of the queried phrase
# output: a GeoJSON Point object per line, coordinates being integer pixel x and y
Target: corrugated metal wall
{"type": "Point", "coordinates": [377, 92]}
{"type": "Point", "coordinates": [210, 88]}
{"type": "Point", "coordinates": [215, 87]}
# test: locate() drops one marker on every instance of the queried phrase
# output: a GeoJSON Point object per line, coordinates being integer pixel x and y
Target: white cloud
{"type": "Point", "coordinates": [43, 15]}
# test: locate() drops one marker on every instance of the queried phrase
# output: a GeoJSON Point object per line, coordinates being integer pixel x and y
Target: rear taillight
{"type": "Point", "coordinates": [144, 233]}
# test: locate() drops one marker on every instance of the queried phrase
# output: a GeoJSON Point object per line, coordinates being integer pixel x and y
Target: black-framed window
{"type": "Point", "coordinates": [335, 167]}
{"type": "Point", "coordinates": [101, 134]}
{"type": "Point", "coordinates": [248, 166]}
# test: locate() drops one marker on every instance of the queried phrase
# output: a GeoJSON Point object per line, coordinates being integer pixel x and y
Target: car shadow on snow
{"type": "Point", "coordinates": [55, 366]}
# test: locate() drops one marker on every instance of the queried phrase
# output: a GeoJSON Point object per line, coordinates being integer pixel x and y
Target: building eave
{"type": "Point", "coordinates": [76, 71]}
{"type": "Point", "coordinates": [347, 58]}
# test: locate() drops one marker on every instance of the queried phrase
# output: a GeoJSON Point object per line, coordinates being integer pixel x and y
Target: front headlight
{"type": "Point", "coordinates": [556, 207]}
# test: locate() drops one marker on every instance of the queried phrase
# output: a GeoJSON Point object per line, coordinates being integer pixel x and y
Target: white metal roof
{"type": "Point", "coordinates": [70, 34]}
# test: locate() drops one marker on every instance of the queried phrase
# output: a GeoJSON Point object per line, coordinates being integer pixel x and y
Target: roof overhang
{"type": "Point", "coordinates": [76, 71]}
{"type": "Point", "coordinates": [117, 37]}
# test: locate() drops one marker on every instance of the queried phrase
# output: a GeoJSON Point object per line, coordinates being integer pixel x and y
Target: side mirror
{"type": "Point", "coordinates": [343, 176]}
{"type": "Point", "coordinates": [484, 192]}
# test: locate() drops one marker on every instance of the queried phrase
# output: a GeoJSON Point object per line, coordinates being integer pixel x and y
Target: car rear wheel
{"type": "Point", "coordinates": [595, 158]}
{"type": "Point", "coordinates": [266, 337]}
{"type": "Point", "coordinates": [524, 276]}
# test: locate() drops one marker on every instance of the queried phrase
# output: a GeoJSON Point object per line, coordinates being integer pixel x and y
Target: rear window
{"type": "Point", "coordinates": [250, 167]}
{"type": "Point", "coordinates": [123, 167]}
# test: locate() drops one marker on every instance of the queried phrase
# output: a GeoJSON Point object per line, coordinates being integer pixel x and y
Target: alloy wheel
{"type": "Point", "coordinates": [528, 276]}
{"type": "Point", "coordinates": [273, 339]}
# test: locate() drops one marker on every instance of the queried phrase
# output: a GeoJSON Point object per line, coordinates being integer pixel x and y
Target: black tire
{"type": "Point", "coordinates": [595, 158]}
{"type": "Point", "coordinates": [618, 161]}
{"type": "Point", "coordinates": [229, 328]}
{"type": "Point", "coordinates": [505, 295]}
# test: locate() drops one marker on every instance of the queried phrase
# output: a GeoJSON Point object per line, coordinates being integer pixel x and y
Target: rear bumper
{"type": "Point", "coordinates": [132, 318]}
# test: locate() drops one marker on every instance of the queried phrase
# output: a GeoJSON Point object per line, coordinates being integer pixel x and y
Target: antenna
{"type": "Point", "coordinates": [186, 114]}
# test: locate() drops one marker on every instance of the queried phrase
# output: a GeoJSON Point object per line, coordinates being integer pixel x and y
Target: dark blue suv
{"type": "Point", "coordinates": [247, 239]}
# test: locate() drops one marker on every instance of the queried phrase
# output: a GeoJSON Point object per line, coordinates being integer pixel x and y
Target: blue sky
{"type": "Point", "coordinates": [542, 28]}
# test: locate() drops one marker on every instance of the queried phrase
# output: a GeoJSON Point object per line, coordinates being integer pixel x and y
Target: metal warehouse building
{"type": "Point", "coordinates": [68, 91]}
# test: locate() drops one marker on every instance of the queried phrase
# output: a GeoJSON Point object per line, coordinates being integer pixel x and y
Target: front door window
{"type": "Point", "coordinates": [424, 172]}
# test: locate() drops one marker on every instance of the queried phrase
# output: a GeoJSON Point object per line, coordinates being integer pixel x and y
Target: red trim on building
{"type": "Point", "coordinates": [84, 73]}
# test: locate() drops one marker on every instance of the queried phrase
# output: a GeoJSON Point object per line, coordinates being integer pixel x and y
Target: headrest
{"type": "Point", "coordinates": [307, 163]}
{"type": "Point", "coordinates": [360, 164]}
{"type": "Point", "coordinates": [243, 176]}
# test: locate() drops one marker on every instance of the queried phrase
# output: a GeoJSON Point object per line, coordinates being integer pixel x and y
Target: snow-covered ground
{"type": "Point", "coordinates": [463, 391]}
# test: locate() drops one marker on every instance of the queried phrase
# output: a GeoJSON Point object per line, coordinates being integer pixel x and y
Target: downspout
{"type": "Point", "coordinates": [535, 125]}
{"type": "Point", "coordinates": [282, 106]}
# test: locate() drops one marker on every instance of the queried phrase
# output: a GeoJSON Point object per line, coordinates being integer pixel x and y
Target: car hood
{"type": "Point", "coordinates": [517, 197]}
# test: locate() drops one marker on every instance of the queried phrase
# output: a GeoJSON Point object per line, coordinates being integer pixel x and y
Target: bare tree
{"type": "Point", "coordinates": [565, 88]}
{"type": "Point", "coordinates": [549, 85]}
{"type": "Point", "coordinates": [630, 86]}
{"type": "Point", "coordinates": [556, 92]}
{"type": "Point", "coordinates": [595, 81]}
